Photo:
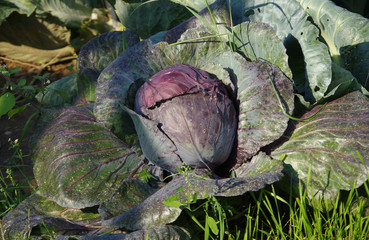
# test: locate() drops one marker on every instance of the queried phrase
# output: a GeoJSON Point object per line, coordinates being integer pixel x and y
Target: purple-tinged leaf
{"type": "Point", "coordinates": [260, 163]}
{"type": "Point", "coordinates": [117, 86]}
{"type": "Point", "coordinates": [256, 40]}
{"type": "Point", "coordinates": [78, 162]}
{"type": "Point", "coordinates": [39, 212]}
{"type": "Point", "coordinates": [101, 50]}
{"type": "Point", "coordinates": [153, 233]}
{"type": "Point", "coordinates": [261, 117]}
{"type": "Point", "coordinates": [153, 212]}
{"type": "Point", "coordinates": [220, 14]}
{"type": "Point", "coordinates": [158, 147]}
{"type": "Point", "coordinates": [130, 193]}
{"type": "Point", "coordinates": [322, 153]}
{"type": "Point", "coordinates": [96, 55]}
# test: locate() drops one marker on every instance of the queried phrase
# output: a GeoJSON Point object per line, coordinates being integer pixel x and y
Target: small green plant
{"type": "Point", "coordinates": [11, 192]}
{"type": "Point", "coordinates": [215, 224]}
{"type": "Point", "coordinates": [16, 96]}
{"type": "Point", "coordinates": [145, 176]}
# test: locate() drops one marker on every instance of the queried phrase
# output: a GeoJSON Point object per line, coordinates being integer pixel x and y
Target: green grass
{"type": "Point", "coordinates": [272, 214]}
{"type": "Point", "coordinates": [11, 186]}
{"type": "Point", "coordinates": [275, 214]}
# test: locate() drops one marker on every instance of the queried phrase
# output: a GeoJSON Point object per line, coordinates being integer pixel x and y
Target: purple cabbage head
{"type": "Point", "coordinates": [193, 109]}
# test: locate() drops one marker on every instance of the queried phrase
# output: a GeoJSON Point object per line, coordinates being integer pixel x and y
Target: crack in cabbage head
{"type": "Point", "coordinates": [193, 109]}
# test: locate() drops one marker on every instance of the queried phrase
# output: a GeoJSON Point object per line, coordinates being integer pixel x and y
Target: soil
{"type": "Point", "coordinates": [12, 128]}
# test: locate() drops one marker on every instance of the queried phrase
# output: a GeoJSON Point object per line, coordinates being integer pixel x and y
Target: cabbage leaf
{"type": "Point", "coordinates": [77, 161]}
{"type": "Point", "coordinates": [31, 39]}
{"type": "Point", "coordinates": [20, 6]}
{"type": "Point", "coordinates": [346, 34]}
{"type": "Point", "coordinates": [323, 153]}
{"type": "Point", "coordinates": [290, 22]}
{"type": "Point", "coordinates": [37, 212]}
{"type": "Point", "coordinates": [155, 211]}
{"type": "Point", "coordinates": [96, 55]}
{"type": "Point", "coordinates": [150, 17]}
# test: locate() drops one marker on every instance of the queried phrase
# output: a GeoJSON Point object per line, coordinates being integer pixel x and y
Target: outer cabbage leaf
{"type": "Point", "coordinates": [36, 40]}
{"type": "Point", "coordinates": [261, 118]}
{"type": "Point", "coordinates": [39, 212]}
{"type": "Point", "coordinates": [346, 34]}
{"type": "Point", "coordinates": [60, 92]}
{"type": "Point", "coordinates": [343, 82]}
{"type": "Point", "coordinates": [100, 51]}
{"type": "Point", "coordinates": [97, 54]}
{"type": "Point", "coordinates": [153, 233]}
{"type": "Point", "coordinates": [289, 21]}
{"type": "Point", "coordinates": [197, 5]}
{"type": "Point", "coordinates": [78, 162]}
{"type": "Point", "coordinates": [219, 14]}
{"type": "Point", "coordinates": [20, 6]}
{"type": "Point", "coordinates": [154, 212]}
{"type": "Point", "coordinates": [150, 17]}
{"type": "Point", "coordinates": [117, 85]}
{"type": "Point", "coordinates": [322, 153]}
{"type": "Point", "coordinates": [259, 41]}
{"type": "Point", "coordinates": [130, 193]}
{"type": "Point", "coordinates": [71, 12]}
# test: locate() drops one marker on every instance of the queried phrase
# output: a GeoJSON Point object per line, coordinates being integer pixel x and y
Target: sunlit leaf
{"type": "Point", "coordinates": [7, 102]}
{"type": "Point", "coordinates": [322, 153]}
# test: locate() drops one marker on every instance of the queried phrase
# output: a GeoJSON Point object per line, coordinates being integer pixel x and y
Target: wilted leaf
{"type": "Point", "coordinates": [35, 40]}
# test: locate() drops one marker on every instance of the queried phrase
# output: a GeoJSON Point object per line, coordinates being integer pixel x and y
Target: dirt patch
{"type": "Point", "coordinates": [21, 164]}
